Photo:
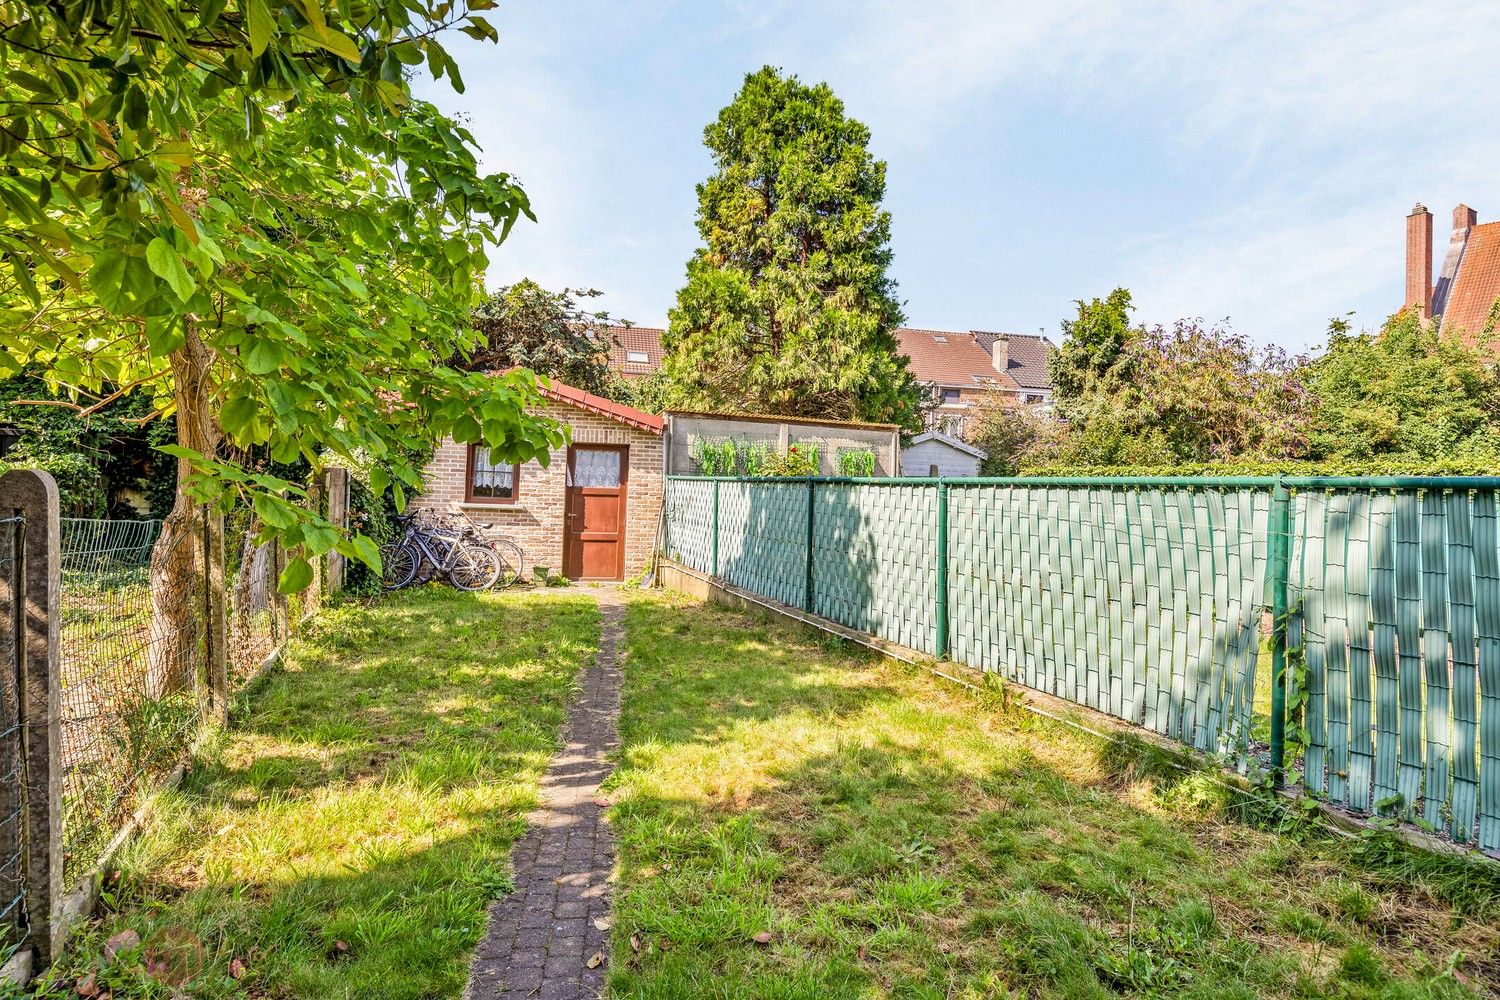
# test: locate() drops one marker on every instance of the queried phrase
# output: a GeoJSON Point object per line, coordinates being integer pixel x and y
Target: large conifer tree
{"type": "Point", "coordinates": [788, 307]}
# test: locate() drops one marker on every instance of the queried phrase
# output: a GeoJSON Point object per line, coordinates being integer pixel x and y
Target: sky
{"type": "Point", "coordinates": [1248, 162]}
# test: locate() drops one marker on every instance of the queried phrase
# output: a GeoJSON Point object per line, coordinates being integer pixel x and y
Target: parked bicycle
{"type": "Point", "coordinates": [455, 547]}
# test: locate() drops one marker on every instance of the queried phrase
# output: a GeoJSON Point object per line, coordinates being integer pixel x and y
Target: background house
{"type": "Point", "coordinates": [591, 513]}
{"type": "Point", "coordinates": [1469, 283]}
{"type": "Point", "coordinates": [956, 369]}
{"type": "Point", "coordinates": [959, 370]}
{"type": "Point", "coordinates": [635, 350]}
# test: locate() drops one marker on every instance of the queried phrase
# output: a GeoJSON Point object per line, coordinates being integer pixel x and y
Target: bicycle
{"type": "Point", "coordinates": [467, 562]}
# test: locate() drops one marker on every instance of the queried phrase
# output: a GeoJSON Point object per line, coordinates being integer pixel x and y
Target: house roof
{"type": "Point", "coordinates": [939, 437]}
{"type": "Point", "coordinates": [939, 357]}
{"type": "Point", "coordinates": [625, 340]}
{"type": "Point", "coordinates": [1477, 284]}
{"type": "Point", "coordinates": [561, 392]}
{"type": "Point", "coordinates": [1028, 354]}
{"type": "Point", "coordinates": [943, 357]}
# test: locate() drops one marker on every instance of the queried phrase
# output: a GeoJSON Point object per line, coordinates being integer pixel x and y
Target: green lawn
{"type": "Point", "coordinates": [344, 838]}
{"type": "Point", "coordinates": [802, 820]}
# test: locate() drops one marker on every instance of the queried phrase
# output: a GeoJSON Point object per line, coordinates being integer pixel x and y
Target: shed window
{"type": "Point", "coordinates": [637, 357]}
{"type": "Point", "coordinates": [491, 483]}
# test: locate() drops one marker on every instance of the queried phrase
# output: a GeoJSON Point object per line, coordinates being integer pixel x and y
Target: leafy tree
{"type": "Point", "coordinates": [788, 307]}
{"type": "Point", "coordinates": [1093, 344]}
{"type": "Point", "coordinates": [528, 326]}
{"type": "Point", "coordinates": [1013, 437]}
{"type": "Point", "coordinates": [243, 213]}
{"type": "Point", "coordinates": [1187, 393]}
{"type": "Point", "coordinates": [91, 458]}
{"type": "Point", "coordinates": [1408, 390]}
{"type": "Point", "coordinates": [649, 393]}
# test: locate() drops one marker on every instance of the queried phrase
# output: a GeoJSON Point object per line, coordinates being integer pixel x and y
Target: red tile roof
{"type": "Point", "coordinates": [625, 340]}
{"type": "Point", "coordinates": [942, 357]}
{"type": "Point", "coordinates": [561, 392]}
{"type": "Point", "coordinates": [1477, 284]}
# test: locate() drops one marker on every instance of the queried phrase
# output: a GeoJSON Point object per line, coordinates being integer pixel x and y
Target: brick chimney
{"type": "Point", "coordinates": [1464, 217]}
{"type": "Point", "coordinates": [1000, 354]}
{"type": "Point", "coordinates": [1419, 260]}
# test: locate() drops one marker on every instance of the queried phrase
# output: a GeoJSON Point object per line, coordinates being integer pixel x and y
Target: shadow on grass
{"type": "Point", "coordinates": [344, 839]}
{"type": "Point", "coordinates": [801, 821]}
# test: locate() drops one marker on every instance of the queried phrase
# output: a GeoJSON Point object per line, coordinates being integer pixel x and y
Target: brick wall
{"type": "Point", "coordinates": [535, 520]}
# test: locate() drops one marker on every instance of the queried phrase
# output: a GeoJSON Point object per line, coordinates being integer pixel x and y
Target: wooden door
{"type": "Point", "coordinates": [595, 512]}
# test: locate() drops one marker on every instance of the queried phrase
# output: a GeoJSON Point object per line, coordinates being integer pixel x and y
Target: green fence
{"type": "Point", "coordinates": [1198, 608]}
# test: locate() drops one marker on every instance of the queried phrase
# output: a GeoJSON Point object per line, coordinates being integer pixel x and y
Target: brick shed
{"type": "Point", "coordinates": [591, 514]}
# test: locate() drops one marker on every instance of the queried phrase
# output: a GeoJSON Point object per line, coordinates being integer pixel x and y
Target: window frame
{"type": "Point", "coordinates": [515, 482]}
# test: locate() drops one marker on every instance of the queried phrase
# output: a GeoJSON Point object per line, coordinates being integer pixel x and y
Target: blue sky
{"type": "Point", "coordinates": [1249, 161]}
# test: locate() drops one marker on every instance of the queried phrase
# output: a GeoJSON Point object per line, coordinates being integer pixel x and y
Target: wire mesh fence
{"type": "Point", "coordinates": [258, 614]}
{"type": "Point", "coordinates": [12, 757]}
{"type": "Point", "coordinates": [128, 670]}
{"type": "Point", "coordinates": [1150, 601]}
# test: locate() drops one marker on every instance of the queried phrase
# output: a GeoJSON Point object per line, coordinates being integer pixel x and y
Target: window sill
{"type": "Point", "coordinates": [472, 505]}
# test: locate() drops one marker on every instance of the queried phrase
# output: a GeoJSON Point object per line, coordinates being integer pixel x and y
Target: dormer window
{"type": "Point", "coordinates": [637, 357]}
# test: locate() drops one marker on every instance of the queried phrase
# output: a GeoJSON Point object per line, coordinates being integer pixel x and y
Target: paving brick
{"type": "Point", "coordinates": [541, 936]}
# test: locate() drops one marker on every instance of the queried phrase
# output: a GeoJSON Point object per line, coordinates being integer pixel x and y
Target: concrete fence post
{"type": "Point", "coordinates": [32, 495]}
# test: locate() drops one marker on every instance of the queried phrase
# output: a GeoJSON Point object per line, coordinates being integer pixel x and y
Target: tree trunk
{"type": "Point", "coordinates": [177, 590]}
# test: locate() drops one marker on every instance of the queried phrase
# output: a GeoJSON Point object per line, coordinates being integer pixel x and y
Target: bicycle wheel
{"type": "Point", "coordinates": [512, 559]}
{"type": "Point", "coordinates": [398, 565]}
{"type": "Point", "coordinates": [475, 567]}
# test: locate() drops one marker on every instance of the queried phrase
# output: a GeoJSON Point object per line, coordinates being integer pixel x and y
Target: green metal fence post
{"type": "Point", "coordinates": [715, 568]}
{"type": "Point", "coordinates": [942, 571]}
{"type": "Point", "coordinates": [1281, 539]}
{"type": "Point", "coordinates": [807, 583]}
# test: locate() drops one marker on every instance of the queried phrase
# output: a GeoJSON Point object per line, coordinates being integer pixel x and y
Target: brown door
{"type": "Point", "coordinates": [594, 525]}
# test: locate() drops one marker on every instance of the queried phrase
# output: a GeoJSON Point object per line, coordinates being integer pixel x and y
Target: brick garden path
{"type": "Point", "coordinates": [542, 939]}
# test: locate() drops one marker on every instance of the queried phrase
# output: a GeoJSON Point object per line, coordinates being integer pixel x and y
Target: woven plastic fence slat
{"type": "Point", "coordinates": [1335, 602]}
{"type": "Point", "coordinates": [874, 562]}
{"type": "Point", "coordinates": [763, 538]}
{"type": "Point", "coordinates": [1409, 648]}
{"type": "Point", "coordinates": [1314, 564]}
{"type": "Point", "coordinates": [1383, 620]}
{"type": "Point", "coordinates": [1357, 569]}
{"type": "Point", "coordinates": [1465, 666]}
{"type": "Point", "coordinates": [689, 524]}
{"type": "Point", "coordinates": [1487, 608]}
{"type": "Point", "coordinates": [1435, 656]}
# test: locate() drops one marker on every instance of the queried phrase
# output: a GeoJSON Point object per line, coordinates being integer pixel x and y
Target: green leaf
{"type": "Point", "coordinates": [264, 357]}
{"type": "Point", "coordinates": [340, 45]}
{"type": "Point", "coordinates": [164, 334]}
{"type": "Point", "coordinates": [297, 576]}
{"type": "Point", "coordinates": [167, 264]}
{"type": "Point", "coordinates": [122, 282]}
{"type": "Point", "coordinates": [262, 25]}
{"type": "Point", "coordinates": [273, 511]}
{"type": "Point", "coordinates": [238, 414]}
{"type": "Point", "coordinates": [367, 552]}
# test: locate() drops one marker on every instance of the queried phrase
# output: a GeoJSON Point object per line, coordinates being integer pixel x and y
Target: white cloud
{"type": "Point", "coordinates": [1332, 118]}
